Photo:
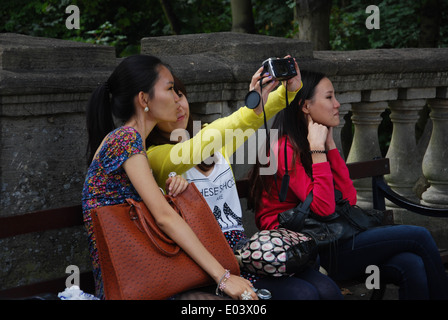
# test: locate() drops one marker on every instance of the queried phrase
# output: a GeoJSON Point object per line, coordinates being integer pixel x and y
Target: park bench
{"type": "Point", "coordinates": [72, 216]}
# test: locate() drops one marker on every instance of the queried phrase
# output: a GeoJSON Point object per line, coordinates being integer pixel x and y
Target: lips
{"type": "Point", "coordinates": [181, 118]}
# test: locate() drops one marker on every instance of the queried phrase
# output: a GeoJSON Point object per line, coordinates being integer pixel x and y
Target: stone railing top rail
{"type": "Point", "coordinates": [410, 60]}
{"type": "Point", "coordinates": [225, 56]}
{"type": "Point", "coordinates": [49, 65]}
{"type": "Point", "coordinates": [24, 53]}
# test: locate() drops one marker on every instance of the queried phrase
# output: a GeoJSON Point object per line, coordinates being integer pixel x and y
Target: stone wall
{"type": "Point", "coordinates": [44, 87]}
{"type": "Point", "coordinates": [45, 84]}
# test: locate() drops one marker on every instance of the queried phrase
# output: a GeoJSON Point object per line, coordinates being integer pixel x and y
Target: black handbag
{"type": "Point", "coordinates": [346, 222]}
{"type": "Point", "coordinates": [276, 252]}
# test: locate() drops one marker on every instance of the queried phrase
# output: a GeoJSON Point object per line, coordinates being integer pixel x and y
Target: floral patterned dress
{"type": "Point", "coordinates": [108, 184]}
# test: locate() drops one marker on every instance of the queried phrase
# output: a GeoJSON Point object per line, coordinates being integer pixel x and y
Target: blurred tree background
{"type": "Point", "coordinates": [120, 23]}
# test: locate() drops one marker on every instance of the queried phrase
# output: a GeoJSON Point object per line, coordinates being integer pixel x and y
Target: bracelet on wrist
{"type": "Point", "coordinates": [318, 151]}
{"type": "Point", "coordinates": [222, 282]}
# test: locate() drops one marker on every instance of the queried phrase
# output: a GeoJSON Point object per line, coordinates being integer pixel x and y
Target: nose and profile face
{"type": "Point", "coordinates": [323, 106]}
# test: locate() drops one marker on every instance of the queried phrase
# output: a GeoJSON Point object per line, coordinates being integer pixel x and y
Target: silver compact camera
{"type": "Point", "coordinates": [280, 69]}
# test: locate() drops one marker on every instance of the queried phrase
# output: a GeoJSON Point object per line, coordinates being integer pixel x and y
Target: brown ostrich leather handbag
{"type": "Point", "coordinates": [138, 261]}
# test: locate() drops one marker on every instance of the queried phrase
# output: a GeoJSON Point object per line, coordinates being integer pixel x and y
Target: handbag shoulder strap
{"type": "Point", "coordinates": [156, 236]}
{"type": "Point", "coordinates": [304, 207]}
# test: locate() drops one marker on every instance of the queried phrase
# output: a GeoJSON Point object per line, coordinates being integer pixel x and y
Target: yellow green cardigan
{"type": "Point", "coordinates": [191, 152]}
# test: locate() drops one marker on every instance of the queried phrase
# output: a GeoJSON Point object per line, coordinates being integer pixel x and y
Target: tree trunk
{"type": "Point", "coordinates": [313, 17]}
{"type": "Point", "coordinates": [430, 24]}
{"type": "Point", "coordinates": [242, 17]}
{"type": "Point", "coordinates": [171, 16]}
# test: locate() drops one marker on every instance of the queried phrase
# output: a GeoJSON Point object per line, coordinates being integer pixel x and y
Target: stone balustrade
{"type": "Point", "coordinates": [45, 84]}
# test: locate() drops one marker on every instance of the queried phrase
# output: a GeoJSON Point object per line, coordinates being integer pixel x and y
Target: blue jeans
{"type": "Point", "coordinates": [308, 285]}
{"type": "Point", "coordinates": [406, 256]}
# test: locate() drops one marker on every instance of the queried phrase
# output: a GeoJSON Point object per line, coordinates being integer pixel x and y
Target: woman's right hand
{"type": "Point", "coordinates": [236, 286]}
{"type": "Point", "coordinates": [175, 185]}
{"type": "Point", "coordinates": [317, 134]}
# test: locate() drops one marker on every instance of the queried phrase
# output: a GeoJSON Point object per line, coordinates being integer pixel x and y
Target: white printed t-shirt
{"type": "Point", "coordinates": [219, 190]}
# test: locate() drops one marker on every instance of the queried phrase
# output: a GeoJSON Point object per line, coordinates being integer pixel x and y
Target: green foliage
{"type": "Point", "coordinates": [347, 29]}
{"type": "Point", "coordinates": [123, 23]}
{"type": "Point", "coordinates": [36, 18]}
{"type": "Point", "coordinates": [399, 25]}
{"type": "Point", "coordinates": [106, 34]}
{"type": "Point", "coordinates": [113, 22]}
{"type": "Point", "coordinates": [203, 16]}
{"type": "Point", "coordinates": [275, 20]}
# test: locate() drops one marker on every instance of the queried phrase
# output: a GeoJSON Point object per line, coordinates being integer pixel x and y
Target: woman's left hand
{"type": "Point", "coordinates": [176, 185]}
{"type": "Point", "coordinates": [329, 143]}
{"type": "Point", "coordinates": [295, 83]}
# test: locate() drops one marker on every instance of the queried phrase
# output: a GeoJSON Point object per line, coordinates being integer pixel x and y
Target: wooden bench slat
{"type": "Point", "coordinates": [368, 169]}
{"type": "Point", "coordinates": [41, 221]}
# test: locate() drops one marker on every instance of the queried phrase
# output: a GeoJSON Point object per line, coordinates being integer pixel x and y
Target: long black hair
{"type": "Point", "coordinates": [291, 122]}
{"type": "Point", "coordinates": [115, 97]}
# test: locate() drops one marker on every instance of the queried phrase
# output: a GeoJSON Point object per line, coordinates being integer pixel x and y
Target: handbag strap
{"type": "Point", "coordinates": [304, 207]}
{"type": "Point", "coordinates": [150, 227]}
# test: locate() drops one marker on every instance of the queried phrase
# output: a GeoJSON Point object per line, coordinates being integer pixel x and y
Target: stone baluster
{"type": "Point", "coordinates": [435, 161]}
{"type": "Point", "coordinates": [345, 99]}
{"type": "Point", "coordinates": [365, 146]}
{"type": "Point", "coordinates": [343, 111]}
{"type": "Point", "coordinates": [405, 162]}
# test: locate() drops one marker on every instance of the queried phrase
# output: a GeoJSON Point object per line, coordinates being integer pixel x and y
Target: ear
{"type": "Point", "coordinates": [306, 107]}
{"type": "Point", "coordinates": [142, 99]}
